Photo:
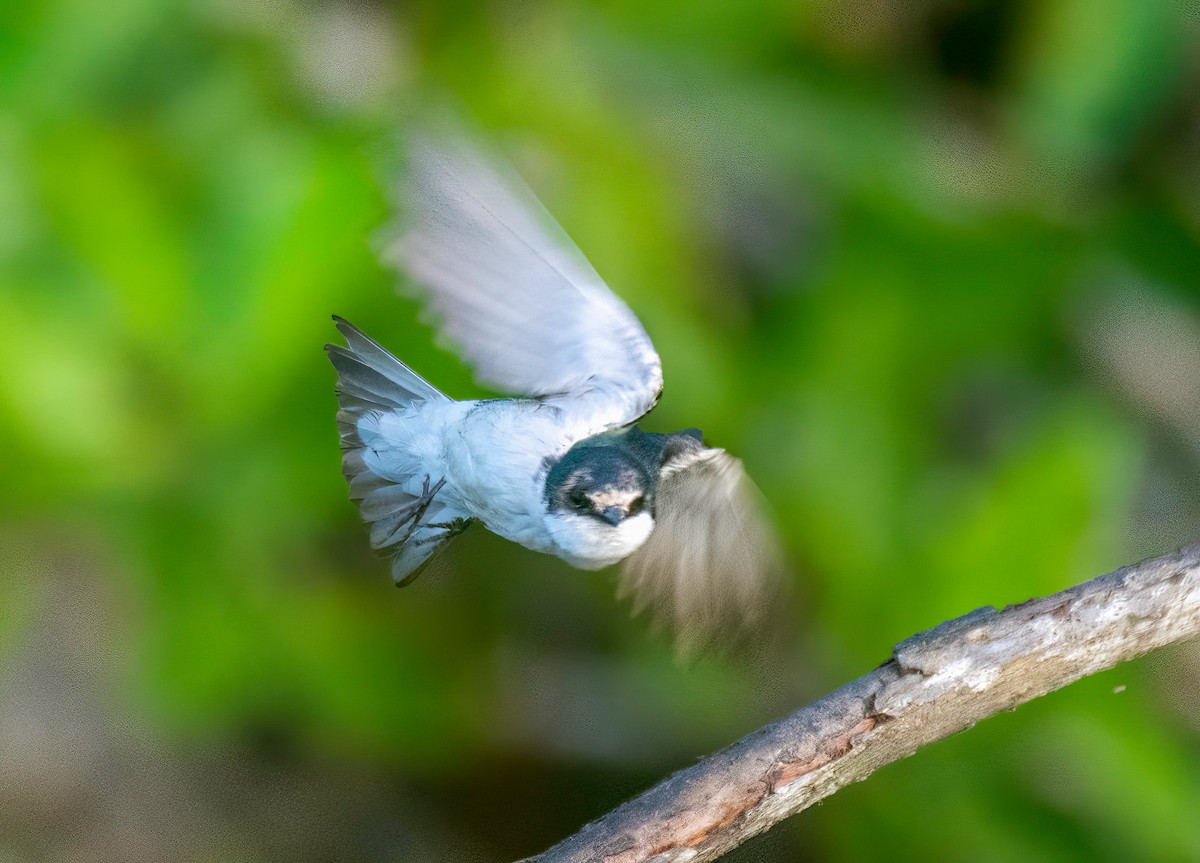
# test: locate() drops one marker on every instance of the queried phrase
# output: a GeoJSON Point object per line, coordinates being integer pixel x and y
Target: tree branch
{"type": "Point", "coordinates": [937, 683]}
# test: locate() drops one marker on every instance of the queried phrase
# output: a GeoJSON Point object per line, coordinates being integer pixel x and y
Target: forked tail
{"type": "Point", "coordinates": [403, 508]}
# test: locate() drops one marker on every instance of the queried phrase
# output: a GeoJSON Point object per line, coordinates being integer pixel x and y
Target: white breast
{"type": "Point", "coordinates": [589, 543]}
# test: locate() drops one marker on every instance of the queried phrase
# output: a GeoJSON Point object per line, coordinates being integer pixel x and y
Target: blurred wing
{"type": "Point", "coordinates": [510, 289]}
{"type": "Point", "coordinates": [711, 565]}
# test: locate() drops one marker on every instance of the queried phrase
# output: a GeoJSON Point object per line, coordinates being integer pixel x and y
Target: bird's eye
{"type": "Point", "coordinates": [635, 505]}
{"type": "Point", "coordinates": [579, 500]}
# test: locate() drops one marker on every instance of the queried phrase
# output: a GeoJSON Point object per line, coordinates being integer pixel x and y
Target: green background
{"type": "Point", "coordinates": [931, 269]}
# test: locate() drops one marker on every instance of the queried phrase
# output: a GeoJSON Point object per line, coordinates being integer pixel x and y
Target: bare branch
{"type": "Point", "coordinates": [937, 683]}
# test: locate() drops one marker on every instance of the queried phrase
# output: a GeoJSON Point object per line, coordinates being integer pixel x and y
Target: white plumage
{"type": "Point", "coordinates": [560, 468]}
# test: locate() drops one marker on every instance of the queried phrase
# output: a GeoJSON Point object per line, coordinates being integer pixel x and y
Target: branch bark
{"type": "Point", "coordinates": [937, 683]}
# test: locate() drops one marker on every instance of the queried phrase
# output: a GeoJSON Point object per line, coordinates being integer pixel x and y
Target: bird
{"type": "Point", "coordinates": [560, 464]}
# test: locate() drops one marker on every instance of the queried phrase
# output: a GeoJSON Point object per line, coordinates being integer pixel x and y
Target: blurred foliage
{"type": "Point", "coordinates": [932, 269]}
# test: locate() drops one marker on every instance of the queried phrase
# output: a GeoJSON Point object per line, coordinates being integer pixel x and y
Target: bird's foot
{"type": "Point", "coordinates": [428, 493]}
{"type": "Point", "coordinates": [447, 530]}
{"type": "Point", "coordinates": [453, 527]}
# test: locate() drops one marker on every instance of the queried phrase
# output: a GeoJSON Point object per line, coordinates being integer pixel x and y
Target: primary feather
{"type": "Point", "coordinates": [710, 565]}
{"type": "Point", "coordinates": [510, 289]}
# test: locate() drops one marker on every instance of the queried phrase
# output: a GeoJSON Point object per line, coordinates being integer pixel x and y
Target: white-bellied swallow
{"type": "Point", "coordinates": [561, 467]}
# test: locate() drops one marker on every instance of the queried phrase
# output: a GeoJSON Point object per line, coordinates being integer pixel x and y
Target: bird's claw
{"type": "Point", "coordinates": [454, 527]}
{"type": "Point", "coordinates": [428, 493]}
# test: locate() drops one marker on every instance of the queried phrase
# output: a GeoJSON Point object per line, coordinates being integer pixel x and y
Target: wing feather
{"type": "Point", "coordinates": [711, 565]}
{"type": "Point", "coordinates": [508, 287]}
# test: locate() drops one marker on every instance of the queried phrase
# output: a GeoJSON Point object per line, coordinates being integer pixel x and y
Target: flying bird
{"type": "Point", "coordinates": [561, 467]}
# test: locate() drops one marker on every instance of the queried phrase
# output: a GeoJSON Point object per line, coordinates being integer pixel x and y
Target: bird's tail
{"type": "Point", "coordinates": [406, 516]}
{"type": "Point", "coordinates": [371, 378]}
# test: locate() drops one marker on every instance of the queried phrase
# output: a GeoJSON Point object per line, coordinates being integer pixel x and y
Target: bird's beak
{"type": "Point", "coordinates": [614, 515]}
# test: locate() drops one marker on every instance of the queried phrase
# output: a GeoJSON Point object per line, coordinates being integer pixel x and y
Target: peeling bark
{"type": "Point", "coordinates": [937, 683]}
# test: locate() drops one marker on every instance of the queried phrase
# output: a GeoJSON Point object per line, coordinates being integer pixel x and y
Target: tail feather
{"type": "Point", "coordinates": [369, 373]}
{"type": "Point", "coordinates": [360, 381]}
{"type": "Point", "coordinates": [383, 502]}
{"type": "Point", "coordinates": [405, 515]}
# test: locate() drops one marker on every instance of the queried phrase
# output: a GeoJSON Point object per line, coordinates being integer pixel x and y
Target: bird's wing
{"type": "Point", "coordinates": [510, 290]}
{"type": "Point", "coordinates": [710, 568]}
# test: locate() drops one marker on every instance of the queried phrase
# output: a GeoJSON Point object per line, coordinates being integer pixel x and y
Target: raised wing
{"type": "Point", "coordinates": [509, 288]}
{"type": "Point", "coordinates": [711, 566]}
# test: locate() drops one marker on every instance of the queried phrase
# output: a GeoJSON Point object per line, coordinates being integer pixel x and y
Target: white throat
{"type": "Point", "coordinates": [588, 543]}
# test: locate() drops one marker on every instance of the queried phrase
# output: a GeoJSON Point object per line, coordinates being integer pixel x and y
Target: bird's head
{"type": "Point", "coordinates": [600, 482]}
{"type": "Point", "coordinates": [599, 502]}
